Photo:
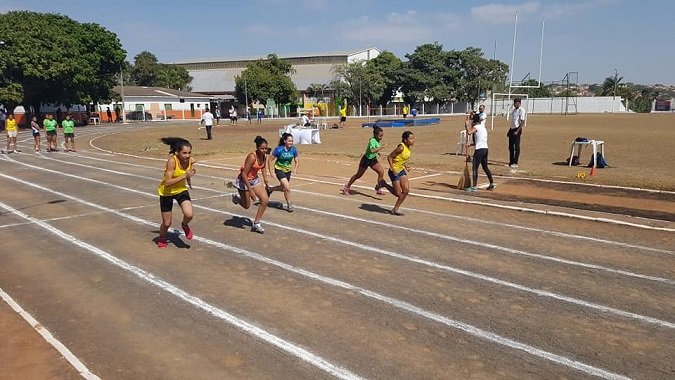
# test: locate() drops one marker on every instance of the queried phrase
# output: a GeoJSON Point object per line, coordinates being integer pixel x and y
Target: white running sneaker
{"type": "Point", "coordinates": [257, 227]}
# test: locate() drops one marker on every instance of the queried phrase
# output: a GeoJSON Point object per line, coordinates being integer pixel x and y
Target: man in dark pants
{"type": "Point", "coordinates": [207, 119]}
{"type": "Point", "coordinates": [518, 116]}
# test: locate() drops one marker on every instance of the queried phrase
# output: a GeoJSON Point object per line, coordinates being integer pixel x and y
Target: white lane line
{"type": "Point", "coordinates": [506, 225]}
{"type": "Point", "coordinates": [48, 337]}
{"type": "Point", "coordinates": [470, 202]}
{"type": "Point", "coordinates": [446, 268]}
{"type": "Point", "coordinates": [54, 219]}
{"type": "Point", "coordinates": [461, 217]}
{"type": "Point", "coordinates": [424, 176]}
{"type": "Point", "coordinates": [401, 305]}
{"type": "Point", "coordinates": [408, 229]}
{"type": "Point", "coordinates": [247, 327]}
{"type": "Point", "coordinates": [494, 247]}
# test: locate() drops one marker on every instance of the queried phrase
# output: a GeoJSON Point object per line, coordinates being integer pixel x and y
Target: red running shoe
{"type": "Point", "coordinates": [161, 243]}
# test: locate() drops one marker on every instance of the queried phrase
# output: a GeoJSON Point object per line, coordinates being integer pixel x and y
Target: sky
{"type": "Point", "coordinates": [588, 37]}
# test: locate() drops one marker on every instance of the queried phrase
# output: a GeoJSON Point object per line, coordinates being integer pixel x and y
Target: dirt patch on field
{"type": "Point", "coordinates": [637, 148]}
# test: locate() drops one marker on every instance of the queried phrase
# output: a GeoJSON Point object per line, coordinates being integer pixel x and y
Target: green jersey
{"type": "Point", "coordinates": [50, 125]}
{"type": "Point", "coordinates": [68, 126]}
{"type": "Point", "coordinates": [373, 143]}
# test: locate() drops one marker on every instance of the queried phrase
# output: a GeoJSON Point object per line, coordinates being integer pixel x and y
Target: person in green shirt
{"type": "Point", "coordinates": [68, 126]}
{"type": "Point", "coordinates": [50, 130]}
{"type": "Point", "coordinates": [369, 160]}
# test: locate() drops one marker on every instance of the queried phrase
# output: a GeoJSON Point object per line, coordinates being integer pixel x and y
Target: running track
{"type": "Point", "coordinates": [337, 289]}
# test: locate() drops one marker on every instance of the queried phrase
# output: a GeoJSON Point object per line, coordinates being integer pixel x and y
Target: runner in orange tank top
{"type": "Point", "coordinates": [248, 183]}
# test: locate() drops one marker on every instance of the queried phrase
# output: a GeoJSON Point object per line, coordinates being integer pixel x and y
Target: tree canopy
{"type": "Point", "coordinates": [267, 79]}
{"type": "Point", "coordinates": [147, 71]}
{"type": "Point", "coordinates": [50, 58]}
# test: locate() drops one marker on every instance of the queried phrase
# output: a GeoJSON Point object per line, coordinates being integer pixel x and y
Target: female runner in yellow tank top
{"type": "Point", "coordinates": [398, 169]}
{"type": "Point", "coordinates": [174, 185]}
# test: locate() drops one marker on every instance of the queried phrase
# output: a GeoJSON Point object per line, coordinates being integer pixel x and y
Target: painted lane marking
{"type": "Point", "coordinates": [239, 323]}
{"type": "Point", "coordinates": [247, 327]}
{"type": "Point", "coordinates": [476, 220]}
{"type": "Point", "coordinates": [559, 297]}
{"type": "Point", "coordinates": [47, 336]}
{"type": "Point", "coordinates": [472, 202]}
{"type": "Point", "coordinates": [413, 230]}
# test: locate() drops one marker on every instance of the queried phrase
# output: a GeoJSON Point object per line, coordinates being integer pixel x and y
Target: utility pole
{"type": "Point", "coordinates": [124, 112]}
{"type": "Point", "coordinates": [616, 76]}
{"type": "Point", "coordinates": [246, 93]}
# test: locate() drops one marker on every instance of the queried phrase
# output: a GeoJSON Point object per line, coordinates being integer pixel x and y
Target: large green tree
{"type": "Point", "coordinates": [50, 58]}
{"type": "Point", "coordinates": [148, 71]}
{"type": "Point", "coordinates": [267, 79]}
{"type": "Point", "coordinates": [427, 74]}
{"type": "Point", "coordinates": [386, 68]}
{"type": "Point", "coordinates": [475, 74]}
{"type": "Point", "coordinates": [359, 82]}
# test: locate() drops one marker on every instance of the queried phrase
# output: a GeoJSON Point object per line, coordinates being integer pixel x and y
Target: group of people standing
{"type": "Point", "coordinates": [50, 126]}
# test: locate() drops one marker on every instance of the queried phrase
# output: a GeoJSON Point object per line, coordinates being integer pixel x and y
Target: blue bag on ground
{"type": "Point", "coordinates": [601, 161]}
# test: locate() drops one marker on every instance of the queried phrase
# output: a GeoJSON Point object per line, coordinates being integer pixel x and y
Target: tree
{"type": "Point", "coordinates": [610, 85]}
{"type": "Point", "coordinates": [426, 74]}
{"type": "Point", "coordinates": [50, 58]}
{"type": "Point", "coordinates": [267, 79]}
{"type": "Point", "coordinates": [386, 67]}
{"type": "Point", "coordinates": [173, 76]}
{"type": "Point", "coordinates": [475, 73]}
{"type": "Point", "coordinates": [145, 69]}
{"type": "Point", "coordinates": [358, 82]}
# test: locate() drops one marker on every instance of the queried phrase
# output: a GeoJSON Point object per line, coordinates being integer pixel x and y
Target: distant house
{"type": "Point", "coordinates": [157, 103]}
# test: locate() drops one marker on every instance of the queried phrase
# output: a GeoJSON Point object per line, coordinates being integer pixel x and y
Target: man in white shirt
{"type": "Point", "coordinates": [518, 116]}
{"type": "Point", "coordinates": [207, 119]}
{"type": "Point", "coordinates": [481, 114]}
{"type": "Point", "coordinates": [304, 121]}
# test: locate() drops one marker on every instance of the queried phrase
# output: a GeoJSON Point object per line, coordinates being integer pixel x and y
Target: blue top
{"type": "Point", "coordinates": [284, 158]}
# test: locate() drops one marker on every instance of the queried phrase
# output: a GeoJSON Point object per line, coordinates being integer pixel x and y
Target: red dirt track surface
{"type": "Point", "coordinates": [547, 276]}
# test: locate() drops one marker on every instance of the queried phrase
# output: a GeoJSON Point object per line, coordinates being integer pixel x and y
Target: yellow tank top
{"type": "Point", "coordinates": [402, 158]}
{"type": "Point", "coordinates": [10, 125]}
{"type": "Point", "coordinates": [176, 188]}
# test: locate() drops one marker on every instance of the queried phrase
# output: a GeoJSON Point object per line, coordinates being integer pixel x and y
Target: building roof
{"type": "Point", "coordinates": [214, 76]}
{"type": "Point", "coordinates": [342, 54]}
{"type": "Point", "coordinates": [160, 92]}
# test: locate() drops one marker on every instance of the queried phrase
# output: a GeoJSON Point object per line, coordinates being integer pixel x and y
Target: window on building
{"type": "Point", "coordinates": [167, 107]}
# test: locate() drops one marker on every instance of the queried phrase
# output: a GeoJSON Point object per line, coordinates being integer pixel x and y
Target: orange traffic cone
{"type": "Point", "coordinates": [593, 170]}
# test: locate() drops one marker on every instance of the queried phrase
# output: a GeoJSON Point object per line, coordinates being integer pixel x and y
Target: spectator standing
{"type": "Point", "coordinates": [233, 115]}
{"type": "Point", "coordinates": [12, 130]}
{"type": "Point", "coordinates": [518, 116]}
{"type": "Point", "coordinates": [35, 129]}
{"type": "Point", "coordinates": [261, 115]}
{"type": "Point", "coordinates": [68, 126]}
{"type": "Point", "coordinates": [404, 111]}
{"type": "Point", "coordinates": [207, 119]}
{"type": "Point", "coordinates": [107, 112]}
{"type": "Point", "coordinates": [217, 115]}
{"type": "Point", "coordinates": [343, 114]}
{"type": "Point", "coordinates": [50, 130]}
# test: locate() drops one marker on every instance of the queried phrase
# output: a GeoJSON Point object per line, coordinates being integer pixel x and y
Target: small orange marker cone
{"type": "Point", "coordinates": [593, 170]}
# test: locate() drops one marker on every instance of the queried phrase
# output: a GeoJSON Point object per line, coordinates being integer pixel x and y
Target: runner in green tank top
{"type": "Point", "coordinates": [68, 126]}
{"type": "Point", "coordinates": [369, 160]}
{"type": "Point", "coordinates": [50, 130]}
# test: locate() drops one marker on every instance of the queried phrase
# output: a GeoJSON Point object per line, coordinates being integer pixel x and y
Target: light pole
{"type": "Point", "coordinates": [616, 75]}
